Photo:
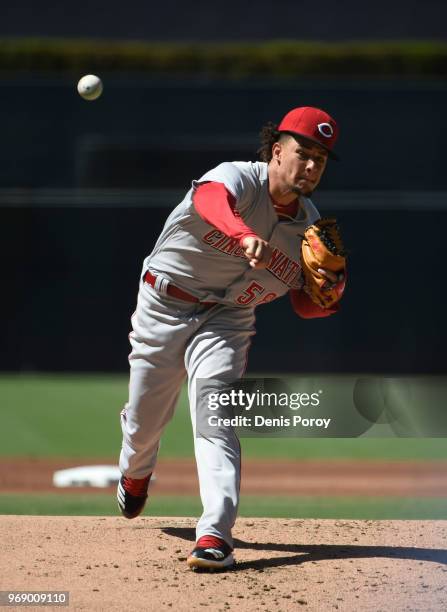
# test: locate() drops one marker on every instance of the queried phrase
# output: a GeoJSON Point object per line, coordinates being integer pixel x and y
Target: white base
{"type": "Point", "coordinates": [87, 476]}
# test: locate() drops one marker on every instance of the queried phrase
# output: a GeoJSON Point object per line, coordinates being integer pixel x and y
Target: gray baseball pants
{"type": "Point", "coordinates": [172, 339]}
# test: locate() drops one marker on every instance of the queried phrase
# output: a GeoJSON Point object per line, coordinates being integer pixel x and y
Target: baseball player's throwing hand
{"type": "Point", "coordinates": [257, 251]}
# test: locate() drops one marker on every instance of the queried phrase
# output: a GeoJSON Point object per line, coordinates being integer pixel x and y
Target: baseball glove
{"type": "Point", "coordinates": [322, 247]}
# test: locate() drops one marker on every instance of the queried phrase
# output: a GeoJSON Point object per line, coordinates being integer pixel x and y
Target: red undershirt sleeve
{"type": "Point", "coordinates": [306, 308]}
{"type": "Point", "coordinates": [217, 206]}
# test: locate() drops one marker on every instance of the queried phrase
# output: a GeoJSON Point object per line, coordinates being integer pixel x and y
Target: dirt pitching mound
{"type": "Point", "coordinates": [114, 564]}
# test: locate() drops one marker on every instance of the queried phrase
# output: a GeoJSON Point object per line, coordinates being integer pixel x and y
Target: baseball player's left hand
{"type": "Point", "coordinates": [257, 251]}
{"type": "Point", "coordinates": [334, 281]}
{"type": "Point", "coordinates": [332, 278]}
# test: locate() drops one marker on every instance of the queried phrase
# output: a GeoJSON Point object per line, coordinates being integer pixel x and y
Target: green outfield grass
{"type": "Point", "coordinates": [372, 508]}
{"type": "Point", "coordinates": [78, 416]}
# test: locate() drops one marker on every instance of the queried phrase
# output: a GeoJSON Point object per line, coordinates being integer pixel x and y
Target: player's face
{"type": "Point", "coordinates": [301, 165]}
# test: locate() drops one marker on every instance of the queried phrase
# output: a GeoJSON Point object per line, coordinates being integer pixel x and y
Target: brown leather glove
{"type": "Point", "coordinates": [322, 247]}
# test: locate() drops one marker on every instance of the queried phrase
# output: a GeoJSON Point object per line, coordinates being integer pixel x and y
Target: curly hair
{"type": "Point", "coordinates": [268, 135]}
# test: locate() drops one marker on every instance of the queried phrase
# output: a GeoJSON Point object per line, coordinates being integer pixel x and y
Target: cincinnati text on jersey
{"type": "Point", "coordinates": [285, 269]}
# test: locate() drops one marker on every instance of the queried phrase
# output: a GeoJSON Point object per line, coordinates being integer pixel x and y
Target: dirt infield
{"type": "Point", "coordinates": [285, 564]}
{"type": "Point", "coordinates": [113, 564]}
{"type": "Point", "coordinates": [178, 477]}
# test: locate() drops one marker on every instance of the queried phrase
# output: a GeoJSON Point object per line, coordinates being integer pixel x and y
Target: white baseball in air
{"type": "Point", "coordinates": [90, 87]}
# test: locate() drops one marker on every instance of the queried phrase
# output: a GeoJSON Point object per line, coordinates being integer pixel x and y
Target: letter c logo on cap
{"type": "Point", "coordinates": [326, 130]}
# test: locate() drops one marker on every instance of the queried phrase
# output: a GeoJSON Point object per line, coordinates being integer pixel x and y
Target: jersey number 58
{"type": "Point", "coordinates": [253, 291]}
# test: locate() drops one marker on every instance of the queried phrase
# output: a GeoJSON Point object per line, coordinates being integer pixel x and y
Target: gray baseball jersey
{"type": "Point", "coordinates": [212, 266]}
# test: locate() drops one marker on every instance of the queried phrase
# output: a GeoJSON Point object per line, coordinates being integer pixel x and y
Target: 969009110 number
{"type": "Point", "coordinates": [34, 598]}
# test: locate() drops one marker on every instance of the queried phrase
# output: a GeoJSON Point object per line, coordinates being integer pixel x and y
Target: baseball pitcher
{"type": "Point", "coordinates": [246, 233]}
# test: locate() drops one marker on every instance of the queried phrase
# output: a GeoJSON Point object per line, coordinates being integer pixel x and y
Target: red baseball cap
{"type": "Point", "coordinates": [314, 124]}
